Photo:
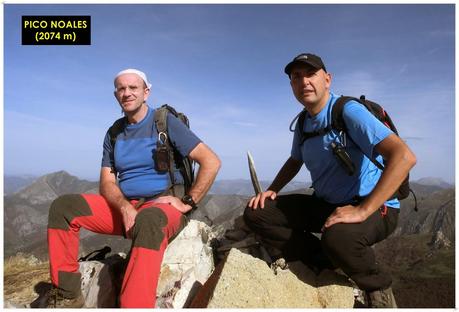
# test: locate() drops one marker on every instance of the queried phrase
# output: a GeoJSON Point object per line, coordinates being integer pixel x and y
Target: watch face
{"type": "Point", "coordinates": [187, 199]}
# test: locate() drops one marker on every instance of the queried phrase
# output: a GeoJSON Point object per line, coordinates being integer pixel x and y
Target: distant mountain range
{"type": "Point", "coordinates": [245, 187]}
{"type": "Point", "coordinates": [26, 211]}
{"type": "Point", "coordinates": [434, 182]}
{"type": "Point", "coordinates": [13, 184]}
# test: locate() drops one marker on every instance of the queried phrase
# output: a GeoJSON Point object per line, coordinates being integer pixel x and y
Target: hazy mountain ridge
{"type": "Point", "coordinates": [15, 183]}
{"type": "Point", "coordinates": [245, 187]}
{"type": "Point", "coordinates": [26, 212]}
{"type": "Point", "coordinates": [434, 181]}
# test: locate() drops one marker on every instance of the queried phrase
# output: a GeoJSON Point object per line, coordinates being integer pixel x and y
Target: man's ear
{"type": "Point", "coordinates": [328, 79]}
{"type": "Point", "coordinates": [146, 93]}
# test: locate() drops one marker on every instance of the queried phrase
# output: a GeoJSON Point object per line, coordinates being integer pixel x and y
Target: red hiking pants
{"type": "Point", "coordinates": [155, 225]}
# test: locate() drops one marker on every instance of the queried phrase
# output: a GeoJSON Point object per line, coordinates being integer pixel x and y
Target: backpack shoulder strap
{"type": "Point", "coordinates": [299, 120]}
{"type": "Point", "coordinates": [163, 143]}
{"type": "Point", "coordinates": [301, 117]}
{"type": "Point", "coordinates": [338, 120]}
{"type": "Point", "coordinates": [160, 117]}
{"type": "Point", "coordinates": [115, 129]}
{"type": "Point", "coordinates": [379, 112]}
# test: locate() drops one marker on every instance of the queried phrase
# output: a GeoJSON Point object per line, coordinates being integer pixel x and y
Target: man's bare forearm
{"type": "Point", "coordinates": [205, 177]}
{"type": "Point", "coordinates": [112, 193]}
{"type": "Point", "coordinates": [288, 171]}
{"type": "Point", "coordinates": [399, 161]}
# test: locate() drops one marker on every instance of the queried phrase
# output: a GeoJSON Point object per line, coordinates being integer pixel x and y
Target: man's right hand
{"type": "Point", "coordinates": [259, 200]}
{"type": "Point", "coordinates": [129, 213]}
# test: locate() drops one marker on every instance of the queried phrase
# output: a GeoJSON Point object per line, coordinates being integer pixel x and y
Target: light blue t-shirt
{"type": "Point", "coordinates": [134, 150]}
{"type": "Point", "coordinates": [329, 180]}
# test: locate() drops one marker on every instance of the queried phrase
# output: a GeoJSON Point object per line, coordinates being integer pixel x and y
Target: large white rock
{"type": "Point", "coordinates": [187, 264]}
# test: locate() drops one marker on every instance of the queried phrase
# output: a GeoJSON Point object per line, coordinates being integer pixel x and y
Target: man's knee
{"type": "Point", "coordinates": [248, 216]}
{"type": "Point", "coordinates": [261, 218]}
{"type": "Point", "coordinates": [65, 208]}
{"type": "Point", "coordinates": [148, 228]}
{"type": "Point", "coordinates": [253, 218]}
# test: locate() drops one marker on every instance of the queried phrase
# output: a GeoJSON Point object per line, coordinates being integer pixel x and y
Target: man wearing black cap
{"type": "Point", "coordinates": [352, 212]}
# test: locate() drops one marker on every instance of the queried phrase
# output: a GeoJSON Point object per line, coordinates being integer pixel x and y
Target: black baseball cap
{"type": "Point", "coordinates": [305, 58]}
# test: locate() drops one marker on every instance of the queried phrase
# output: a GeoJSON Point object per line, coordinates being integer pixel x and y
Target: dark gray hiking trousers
{"type": "Point", "coordinates": [287, 223]}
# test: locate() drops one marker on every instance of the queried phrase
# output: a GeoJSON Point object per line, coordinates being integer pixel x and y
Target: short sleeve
{"type": "Point", "coordinates": [364, 128]}
{"type": "Point", "coordinates": [181, 136]}
{"type": "Point", "coordinates": [107, 153]}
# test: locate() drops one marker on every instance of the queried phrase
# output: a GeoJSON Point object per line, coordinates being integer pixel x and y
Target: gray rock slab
{"type": "Point", "coordinates": [242, 281]}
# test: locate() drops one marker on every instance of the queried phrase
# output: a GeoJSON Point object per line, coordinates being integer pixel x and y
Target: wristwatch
{"type": "Point", "coordinates": [188, 200]}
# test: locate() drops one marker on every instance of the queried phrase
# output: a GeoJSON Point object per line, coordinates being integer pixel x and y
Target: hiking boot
{"type": "Point", "coordinates": [57, 300]}
{"type": "Point", "coordinates": [318, 262]}
{"type": "Point", "coordinates": [381, 299]}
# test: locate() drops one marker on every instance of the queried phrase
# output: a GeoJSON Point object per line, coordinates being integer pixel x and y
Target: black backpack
{"type": "Point", "coordinates": [337, 123]}
{"type": "Point", "coordinates": [167, 158]}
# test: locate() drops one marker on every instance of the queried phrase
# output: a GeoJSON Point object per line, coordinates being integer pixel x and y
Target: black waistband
{"type": "Point", "coordinates": [145, 199]}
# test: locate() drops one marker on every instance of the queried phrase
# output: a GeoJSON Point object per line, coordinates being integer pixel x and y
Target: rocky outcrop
{"type": "Point", "coordinates": [187, 278]}
{"type": "Point", "coordinates": [187, 264]}
{"type": "Point", "coordinates": [436, 213]}
{"type": "Point", "coordinates": [242, 281]}
{"type": "Point", "coordinates": [101, 281]}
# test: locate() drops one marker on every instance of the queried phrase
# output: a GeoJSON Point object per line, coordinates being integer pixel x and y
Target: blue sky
{"type": "Point", "coordinates": [223, 66]}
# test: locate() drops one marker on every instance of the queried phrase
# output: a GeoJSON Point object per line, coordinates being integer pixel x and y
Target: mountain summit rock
{"type": "Point", "coordinates": [242, 281]}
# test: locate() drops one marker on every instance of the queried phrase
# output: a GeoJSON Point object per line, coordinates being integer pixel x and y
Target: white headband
{"type": "Point", "coordinates": [137, 72]}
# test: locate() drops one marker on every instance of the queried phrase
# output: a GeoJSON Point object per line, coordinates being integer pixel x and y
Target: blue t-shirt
{"type": "Point", "coordinates": [134, 150]}
{"type": "Point", "coordinates": [329, 180]}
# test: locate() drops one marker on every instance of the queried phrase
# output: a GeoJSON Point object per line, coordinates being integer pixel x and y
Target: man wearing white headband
{"type": "Point", "coordinates": [134, 200]}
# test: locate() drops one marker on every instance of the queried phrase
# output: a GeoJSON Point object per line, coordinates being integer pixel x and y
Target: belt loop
{"type": "Point", "coordinates": [139, 203]}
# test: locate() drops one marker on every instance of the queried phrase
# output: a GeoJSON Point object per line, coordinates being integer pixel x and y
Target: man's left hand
{"type": "Point", "coordinates": [345, 214]}
{"type": "Point", "coordinates": [174, 202]}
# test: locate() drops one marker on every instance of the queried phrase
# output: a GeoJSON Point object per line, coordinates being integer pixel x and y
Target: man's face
{"type": "Point", "coordinates": [131, 92]}
{"type": "Point", "coordinates": [309, 85]}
